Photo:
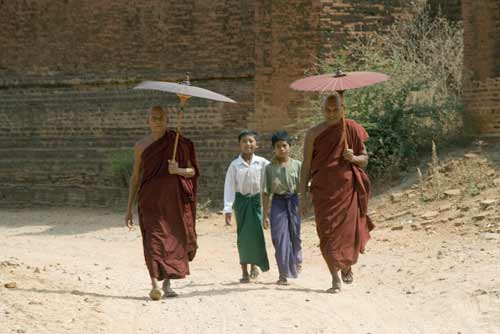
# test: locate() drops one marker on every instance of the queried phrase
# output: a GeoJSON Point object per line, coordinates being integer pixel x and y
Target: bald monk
{"type": "Point", "coordinates": [166, 202]}
{"type": "Point", "coordinates": [340, 189]}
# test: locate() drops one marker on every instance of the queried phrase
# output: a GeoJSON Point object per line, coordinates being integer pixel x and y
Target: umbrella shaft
{"type": "Point", "coordinates": [344, 126]}
{"type": "Point", "coordinates": [179, 125]}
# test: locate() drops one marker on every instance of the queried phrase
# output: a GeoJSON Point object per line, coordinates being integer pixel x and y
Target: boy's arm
{"type": "Point", "coordinates": [265, 199]}
{"type": "Point", "coordinates": [229, 194]}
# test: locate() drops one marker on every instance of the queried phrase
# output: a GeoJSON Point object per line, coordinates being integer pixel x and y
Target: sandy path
{"type": "Point", "coordinates": [80, 271]}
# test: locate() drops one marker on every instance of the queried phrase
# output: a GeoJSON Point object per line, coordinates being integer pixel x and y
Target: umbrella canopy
{"type": "Point", "coordinates": [338, 82]}
{"type": "Point", "coordinates": [184, 89]}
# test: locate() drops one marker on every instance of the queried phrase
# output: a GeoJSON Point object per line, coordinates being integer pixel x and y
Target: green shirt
{"type": "Point", "coordinates": [282, 179]}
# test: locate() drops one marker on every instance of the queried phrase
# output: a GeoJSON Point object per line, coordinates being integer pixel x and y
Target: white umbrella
{"type": "Point", "coordinates": [183, 89]}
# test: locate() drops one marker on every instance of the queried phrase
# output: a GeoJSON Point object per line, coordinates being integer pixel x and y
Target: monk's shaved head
{"type": "Point", "coordinates": [157, 111]}
{"type": "Point", "coordinates": [334, 99]}
{"type": "Point", "coordinates": [157, 119]}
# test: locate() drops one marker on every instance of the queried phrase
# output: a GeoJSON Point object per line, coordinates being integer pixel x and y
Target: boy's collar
{"type": "Point", "coordinates": [240, 157]}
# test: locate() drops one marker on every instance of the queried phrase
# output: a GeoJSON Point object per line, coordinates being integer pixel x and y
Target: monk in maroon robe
{"type": "Point", "coordinates": [340, 189]}
{"type": "Point", "coordinates": [166, 202]}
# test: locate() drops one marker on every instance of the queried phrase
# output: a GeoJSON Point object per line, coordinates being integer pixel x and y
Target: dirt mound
{"type": "Point", "coordinates": [460, 191]}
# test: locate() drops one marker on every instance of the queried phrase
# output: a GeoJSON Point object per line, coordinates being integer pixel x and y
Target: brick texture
{"type": "Point", "coordinates": [67, 66]}
{"type": "Point", "coordinates": [451, 9]}
{"type": "Point", "coordinates": [482, 66]}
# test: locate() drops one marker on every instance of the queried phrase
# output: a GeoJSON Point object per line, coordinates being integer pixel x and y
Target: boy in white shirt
{"type": "Point", "coordinates": [242, 193]}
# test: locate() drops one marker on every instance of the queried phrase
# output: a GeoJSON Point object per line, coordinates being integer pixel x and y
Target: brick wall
{"type": "Point", "coordinates": [66, 69]}
{"type": "Point", "coordinates": [67, 66]}
{"type": "Point", "coordinates": [482, 66]}
{"type": "Point", "coordinates": [159, 38]}
{"type": "Point", "coordinates": [292, 37]}
{"type": "Point", "coordinates": [451, 9]}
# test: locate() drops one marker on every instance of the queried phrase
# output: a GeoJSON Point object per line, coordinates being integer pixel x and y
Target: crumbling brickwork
{"type": "Point", "coordinates": [67, 66]}
{"type": "Point", "coordinates": [482, 66]}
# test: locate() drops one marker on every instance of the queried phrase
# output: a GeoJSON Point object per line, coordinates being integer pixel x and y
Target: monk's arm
{"type": "Point", "coordinates": [134, 178]}
{"type": "Point", "coordinates": [173, 168]}
{"type": "Point", "coordinates": [189, 171]}
{"type": "Point", "coordinates": [305, 174]}
{"type": "Point", "coordinates": [362, 159]}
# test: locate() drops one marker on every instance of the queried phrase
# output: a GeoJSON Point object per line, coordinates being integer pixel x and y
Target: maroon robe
{"type": "Point", "coordinates": [340, 192]}
{"type": "Point", "coordinates": [167, 208]}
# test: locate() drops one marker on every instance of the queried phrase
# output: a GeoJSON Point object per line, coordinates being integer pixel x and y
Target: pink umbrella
{"type": "Point", "coordinates": [338, 82]}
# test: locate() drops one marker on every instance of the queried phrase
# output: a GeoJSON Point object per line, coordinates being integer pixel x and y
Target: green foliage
{"type": "Point", "coordinates": [122, 164]}
{"type": "Point", "coordinates": [421, 101]}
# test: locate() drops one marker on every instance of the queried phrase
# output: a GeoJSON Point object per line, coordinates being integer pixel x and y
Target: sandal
{"type": "Point", "coordinates": [171, 294]}
{"type": "Point", "coordinates": [282, 281]}
{"type": "Point", "coordinates": [254, 272]}
{"type": "Point", "coordinates": [347, 276]}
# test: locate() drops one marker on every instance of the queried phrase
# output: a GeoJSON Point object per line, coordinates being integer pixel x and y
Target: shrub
{"type": "Point", "coordinates": [421, 102]}
{"type": "Point", "coordinates": [122, 164]}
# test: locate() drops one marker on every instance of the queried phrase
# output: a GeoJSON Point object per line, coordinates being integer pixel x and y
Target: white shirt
{"type": "Point", "coordinates": [243, 178]}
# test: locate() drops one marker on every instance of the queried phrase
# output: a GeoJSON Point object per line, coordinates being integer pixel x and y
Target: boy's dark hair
{"type": "Point", "coordinates": [281, 136]}
{"type": "Point", "coordinates": [246, 133]}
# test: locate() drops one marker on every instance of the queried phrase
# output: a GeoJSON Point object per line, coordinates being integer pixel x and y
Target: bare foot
{"type": "Point", "coordinates": [335, 284]}
{"type": "Point", "coordinates": [168, 291]}
{"type": "Point", "coordinates": [299, 268]}
{"type": "Point", "coordinates": [347, 276]}
{"type": "Point", "coordinates": [254, 272]}
{"type": "Point", "coordinates": [245, 279]}
{"type": "Point", "coordinates": [282, 281]}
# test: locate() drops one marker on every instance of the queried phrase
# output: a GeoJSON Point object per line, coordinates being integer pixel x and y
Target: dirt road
{"type": "Point", "coordinates": [80, 271]}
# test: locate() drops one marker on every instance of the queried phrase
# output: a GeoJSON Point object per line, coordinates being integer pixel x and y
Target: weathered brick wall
{"type": "Point", "coordinates": [66, 69]}
{"type": "Point", "coordinates": [451, 9]}
{"type": "Point", "coordinates": [159, 38]}
{"type": "Point", "coordinates": [67, 66]}
{"type": "Point", "coordinates": [287, 41]}
{"type": "Point", "coordinates": [343, 20]}
{"type": "Point", "coordinates": [292, 37]}
{"type": "Point", "coordinates": [57, 145]}
{"type": "Point", "coordinates": [482, 66]}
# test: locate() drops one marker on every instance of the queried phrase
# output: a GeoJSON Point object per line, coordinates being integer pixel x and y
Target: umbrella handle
{"type": "Point", "coordinates": [346, 144]}
{"type": "Point", "coordinates": [179, 125]}
{"type": "Point", "coordinates": [183, 99]}
{"type": "Point", "coordinates": [344, 127]}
